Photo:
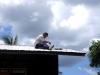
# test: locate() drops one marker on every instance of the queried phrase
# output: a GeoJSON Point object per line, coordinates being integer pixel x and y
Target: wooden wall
{"type": "Point", "coordinates": [33, 64]}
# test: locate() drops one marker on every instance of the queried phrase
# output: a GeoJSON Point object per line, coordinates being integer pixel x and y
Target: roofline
{"type": "Point", "coordinates": [30, 50]}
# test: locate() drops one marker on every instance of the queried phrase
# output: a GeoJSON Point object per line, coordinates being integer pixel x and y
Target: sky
{"type": "Point", "coordinates": [70, 23]}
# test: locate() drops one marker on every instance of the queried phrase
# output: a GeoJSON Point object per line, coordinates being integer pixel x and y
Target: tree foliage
{"type": "Point", "coordinates": [94, 54]}
{"type": "Point", "coordinates": [10, 40]}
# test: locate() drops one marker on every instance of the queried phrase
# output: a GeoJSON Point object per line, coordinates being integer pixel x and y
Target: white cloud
{"type": "Point", "coordinates": [27, 41]}
{"type": "Point", "coordinates": [90, 71]}
{"type": "Point", "coordinates": [34, 16]}
{"type": "Point", "coordinates": [16, 2]}
{"type": "Point", "coordinates": [56, 8]}
{"type": "Point", "coordinates": [11, 2]}
{"type": "Point", "coordinates": [85, 50]}
{"type": "Point", "coordinates": [78, 19]}
{"type": "Point", "coordinates": [2, 42]}
{"type": "Point", "coordinates": [60, 11]}
{"type": "Point", "coordinates": [95, 39]}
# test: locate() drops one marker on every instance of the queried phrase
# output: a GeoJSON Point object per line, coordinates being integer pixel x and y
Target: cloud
{"type": "Point", "coordinates": [86, 2]}
{"type": "Point", "coordinates": [68, 61]}
{"type": "Point", "coordinates": [2, 42]}
{"type": "Point", "coordinates": [90, 71]}
{"type": "Point", "coordinates": [68, 26]}
{"type": "Point", "coordinates": [78, 18]}
{"type": "Point", "coordinates": [27, 41]}
{"type": "Point", "coordinates": [6, 30]}
{"type": "Point", "coordinates": [23, 17]}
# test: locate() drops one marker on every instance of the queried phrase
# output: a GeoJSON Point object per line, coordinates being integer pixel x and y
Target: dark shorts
{"type": "Point", "coordinates": [42, 46]}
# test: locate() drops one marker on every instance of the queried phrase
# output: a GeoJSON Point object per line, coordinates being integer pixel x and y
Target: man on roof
{"type": "Point", "coordinates": [42, 42]}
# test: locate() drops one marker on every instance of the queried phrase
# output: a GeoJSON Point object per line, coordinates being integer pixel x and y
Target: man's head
{"type": "Point", "coordinates": [45, 34]}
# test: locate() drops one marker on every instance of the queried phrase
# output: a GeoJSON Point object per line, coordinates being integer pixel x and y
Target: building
{"type": "Point", "coordinates": [59, 73]}
{"type": "Point", "coordinates": [25, 60]}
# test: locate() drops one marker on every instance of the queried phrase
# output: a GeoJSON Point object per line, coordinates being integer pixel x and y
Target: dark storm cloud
{"type": "Point", "coordinates": [86, 2]}
{"type": "Point", "coordinates": [28, 20]}
{"type": "Point", "coordinates": [80, 46]}
{"type": "Point", "coordinates": [74, 39]}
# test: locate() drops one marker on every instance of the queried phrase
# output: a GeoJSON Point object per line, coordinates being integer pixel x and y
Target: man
{"type": "Point", "coordinates": [42, 42]}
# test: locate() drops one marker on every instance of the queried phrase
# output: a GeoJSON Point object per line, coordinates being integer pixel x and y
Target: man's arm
{"type": "Point", "coordinates": [47, 42]}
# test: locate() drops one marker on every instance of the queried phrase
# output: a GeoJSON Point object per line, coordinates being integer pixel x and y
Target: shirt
{"type": "Point", "coordinates": [40, 39]}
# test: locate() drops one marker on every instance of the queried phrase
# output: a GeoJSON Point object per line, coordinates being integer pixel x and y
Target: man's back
{"type": "Point", "coordinates": [40, 39]}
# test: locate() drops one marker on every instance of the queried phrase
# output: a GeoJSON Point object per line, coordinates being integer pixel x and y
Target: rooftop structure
{"type": "Point", "coordinates": [26, 60]}
{"type": "Point", "coordinates": [31, 50]}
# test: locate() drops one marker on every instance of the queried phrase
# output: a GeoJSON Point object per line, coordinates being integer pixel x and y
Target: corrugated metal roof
{"type": "Point", "coordinates": [12, 49]}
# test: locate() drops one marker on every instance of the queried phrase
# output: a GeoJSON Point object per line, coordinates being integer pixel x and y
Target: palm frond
{"type": "Point", "coordinates": [15, 40]}
{"type": "Point", "coordinates": [9, 40]}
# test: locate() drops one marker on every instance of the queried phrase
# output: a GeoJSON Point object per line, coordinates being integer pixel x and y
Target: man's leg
{"type": "Point", "coordinates": [51, 47]}
{"type": "Point", "coordinates": [45, 46]}
{"type": "Point", "coordinates": [39, 46]}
